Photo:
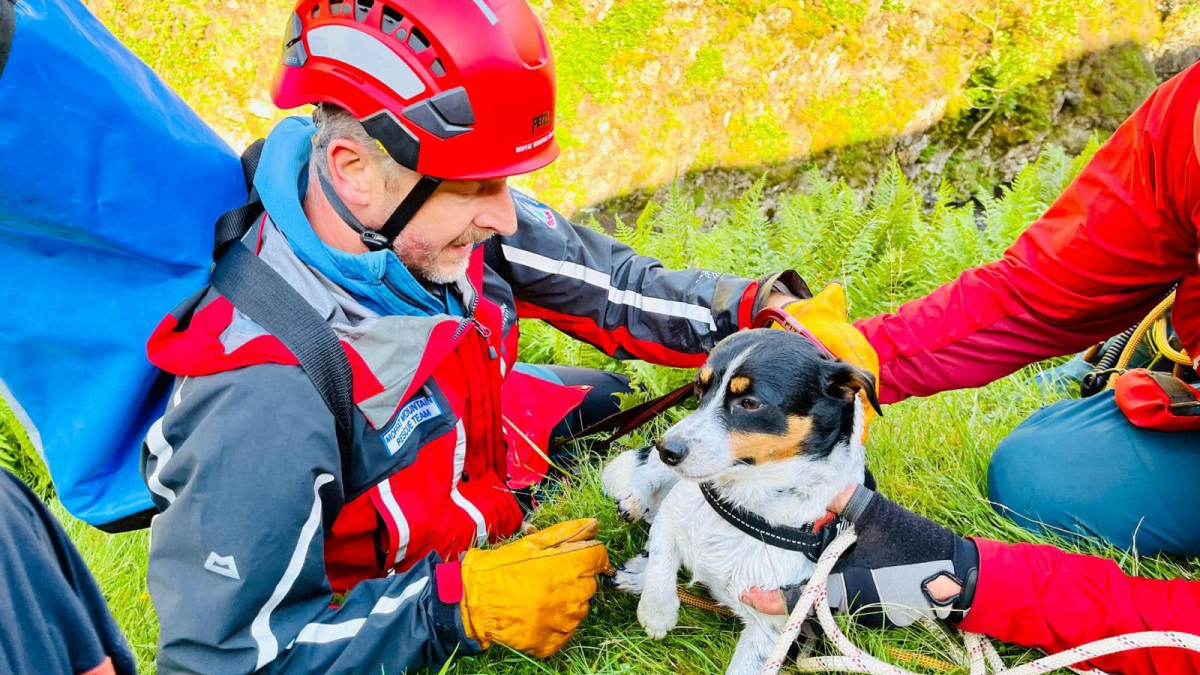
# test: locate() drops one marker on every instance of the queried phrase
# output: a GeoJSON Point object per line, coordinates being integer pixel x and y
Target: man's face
{"type": "Point", "coordinates": [436, 244]}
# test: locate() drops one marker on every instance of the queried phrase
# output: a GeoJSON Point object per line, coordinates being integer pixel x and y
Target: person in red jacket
{"type": "Point", "coordinates": [1122, 235]}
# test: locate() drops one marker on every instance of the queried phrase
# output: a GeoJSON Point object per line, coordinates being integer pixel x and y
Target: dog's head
{"type": "Point", "coordinates": [767, 396]}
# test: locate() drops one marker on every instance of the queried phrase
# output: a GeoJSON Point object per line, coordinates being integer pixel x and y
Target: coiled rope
{"type": "Point", "coordinates": [1154, 329]}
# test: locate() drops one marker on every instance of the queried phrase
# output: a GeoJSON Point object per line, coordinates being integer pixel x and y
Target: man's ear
{"type": "Point", "coordinates": [845, 381]}
{"type": "Point", "coordinates": [351, 171]}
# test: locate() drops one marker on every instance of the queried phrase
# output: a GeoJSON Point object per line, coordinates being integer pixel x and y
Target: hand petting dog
{"type": "Point", "coordinates": [902, 568]}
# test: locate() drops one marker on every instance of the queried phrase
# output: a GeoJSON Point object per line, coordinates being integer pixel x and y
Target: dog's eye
{"type": "Point", "coordinates": [749, 404]}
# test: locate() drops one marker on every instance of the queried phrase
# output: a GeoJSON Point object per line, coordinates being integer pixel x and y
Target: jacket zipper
{"type": "Point", "coordinates": [483, 378]}
{"type": "Point", "coordinates": [484, 331]}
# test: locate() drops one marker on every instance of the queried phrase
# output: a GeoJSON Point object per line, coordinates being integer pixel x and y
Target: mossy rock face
{"type": "Point", "coordinates": [972, 151]}
{"type": "Point", "coordinates": [1179, 46]}
{"type": "Point", "coordinates": [653, 89]}
{"type": "Point", "coordinates": [797, 80]}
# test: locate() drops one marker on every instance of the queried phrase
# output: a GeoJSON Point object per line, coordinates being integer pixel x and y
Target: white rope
{"type": "Point", "coordinates": [979, 653]}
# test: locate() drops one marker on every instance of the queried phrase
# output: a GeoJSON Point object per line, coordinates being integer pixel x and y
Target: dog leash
{"type": "Point", "coordinates": [977, 653]}
{"type": "Point", "coordinates": [688, 598]}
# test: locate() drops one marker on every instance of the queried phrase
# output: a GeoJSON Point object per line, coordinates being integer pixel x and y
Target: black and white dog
{"type": "Point", "coordinates": [776, 436]}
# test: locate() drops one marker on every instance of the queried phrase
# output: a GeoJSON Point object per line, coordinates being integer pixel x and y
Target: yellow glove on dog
{"type": "Point", "coordinates": [825, 316]}
{"type": "Point", "coordinates": [532, 593]}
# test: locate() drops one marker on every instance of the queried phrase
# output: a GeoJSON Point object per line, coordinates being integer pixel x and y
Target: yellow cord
{"type": "Point", "coordinates": [1162, 342]}
{"type": "Point", "coordinates": [921, 660]}
{"type": "Point", "coordinates": [1136, 339]}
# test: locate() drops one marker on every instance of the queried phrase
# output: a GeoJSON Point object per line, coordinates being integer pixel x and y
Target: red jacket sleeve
{"type": "Point", "coordinates": [1105, 252]}
{"type": "Point", "coordinates": [1038, 596]}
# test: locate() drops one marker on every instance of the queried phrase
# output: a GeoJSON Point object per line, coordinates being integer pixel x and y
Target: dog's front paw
{"type": "Point", "coordinates": [745, 667]}
{"type": "Point", "coordinates": [624, 480]}
{"type": "Point", "coordinates": [630, 576]}
{"type": "Point", "coordinates": [658, 615]}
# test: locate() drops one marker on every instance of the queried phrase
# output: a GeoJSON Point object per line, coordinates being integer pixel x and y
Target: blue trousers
{"type": "Point", "coordinates": [1079, 468]}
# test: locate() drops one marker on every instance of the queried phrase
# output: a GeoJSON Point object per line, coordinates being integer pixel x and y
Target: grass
{"type": "Point", "coordinates": [930, 455]}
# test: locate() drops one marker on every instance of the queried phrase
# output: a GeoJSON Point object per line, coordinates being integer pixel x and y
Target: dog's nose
{"type": "Point", "coordinates": [671, 452]}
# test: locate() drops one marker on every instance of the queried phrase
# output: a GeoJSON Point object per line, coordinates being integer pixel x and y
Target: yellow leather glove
{"type": "Point", "coordinates": [825, 316]}
{"type": "Point", "coordinates": [532, 593]}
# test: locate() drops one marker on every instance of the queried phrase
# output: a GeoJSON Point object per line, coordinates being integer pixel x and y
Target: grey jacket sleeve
{"type": "Point", "coordinates": [245, 469]}
{"type": "Point", "coordinates": [600, 291]}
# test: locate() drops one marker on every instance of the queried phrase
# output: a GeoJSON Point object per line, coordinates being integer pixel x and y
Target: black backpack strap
{"type": "Point", "coordinates": [261, 294]}
{"type": "Point", "coordinates": [1181, 400]}
{"type": "Point", "coordinates": [235, 223]}
{"type": "Point", "coordinates": [8, 26]}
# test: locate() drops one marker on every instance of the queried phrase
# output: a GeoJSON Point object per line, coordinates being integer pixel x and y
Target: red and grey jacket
{"type": "Point", "coordinates": [1123, 233]}
{"type": "Point", "coordinates": [266, 557]}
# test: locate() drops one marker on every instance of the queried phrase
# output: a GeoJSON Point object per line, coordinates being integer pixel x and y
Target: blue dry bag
{"type": "Point", "coordinates": [109, 187]}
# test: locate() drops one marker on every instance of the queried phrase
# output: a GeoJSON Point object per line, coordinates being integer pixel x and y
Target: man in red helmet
{"type": "Point", "coordinates": [391, 217]}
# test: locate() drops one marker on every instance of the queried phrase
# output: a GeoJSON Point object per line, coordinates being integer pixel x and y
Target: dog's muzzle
{"type": "Point", "coordinates": [671, 452]}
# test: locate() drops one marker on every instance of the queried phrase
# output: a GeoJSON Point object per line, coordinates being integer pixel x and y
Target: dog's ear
{"type": "Point", "coordinates": [845, 381]}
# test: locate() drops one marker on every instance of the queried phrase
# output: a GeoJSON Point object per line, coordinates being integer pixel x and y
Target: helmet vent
{"type": "Point", "coordinates": [362, 8]}
{"type": "Point", "coordinates": [417, 41]}
{"type": "Point", "coordinates": [437, 67]}
{"type": "Point", "coordinates": [391, 19]}
{"type": "Point", "coordinates": [316, 11]}
{"type": "Point", "coordinates": [339, 7]}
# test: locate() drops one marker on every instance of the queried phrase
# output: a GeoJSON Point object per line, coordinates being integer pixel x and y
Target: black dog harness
{"type": "Point", "coordinates": [811, 540]}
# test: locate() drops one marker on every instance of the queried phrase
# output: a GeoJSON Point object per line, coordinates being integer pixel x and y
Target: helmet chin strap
{"type": "Point", "coordinates": [383, 238]}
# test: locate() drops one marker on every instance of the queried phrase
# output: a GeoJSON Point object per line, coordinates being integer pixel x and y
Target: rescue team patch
{"type": "Point", "coordinates": [536, 210]}
{"type": "Point", "coordinates": [407, 420]}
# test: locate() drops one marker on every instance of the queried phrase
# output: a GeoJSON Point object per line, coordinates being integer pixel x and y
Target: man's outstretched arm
{"type": "Point", "coordinates": [904, 566]}
{"type": "Point", "coordinates": [599, 290]}
{"type": "Point", "coordinates": [1038, 596]}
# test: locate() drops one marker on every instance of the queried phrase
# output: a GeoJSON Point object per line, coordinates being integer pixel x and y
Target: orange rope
{"type": "Point", "coordinates": [690, 599]}
{"type": "Point", "coordinates": [1143, 328]}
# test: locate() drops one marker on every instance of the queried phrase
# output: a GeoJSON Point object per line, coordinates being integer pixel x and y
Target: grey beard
{"type": "Point", "coordinates": [442, 277]}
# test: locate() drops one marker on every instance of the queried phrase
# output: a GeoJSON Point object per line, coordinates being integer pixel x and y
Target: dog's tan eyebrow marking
{"type": "Point", "coordinates": [706, 375]}
{"type": "Point", "coordinates": [757, 447]}
{"type": "Point", "coordinates": [726, 373]}
{"type": "Point", "coordinates": [739, 384]}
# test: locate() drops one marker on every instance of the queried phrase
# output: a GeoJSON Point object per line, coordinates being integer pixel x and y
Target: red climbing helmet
{"type": "Point", "coordinates": [452, 89]}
